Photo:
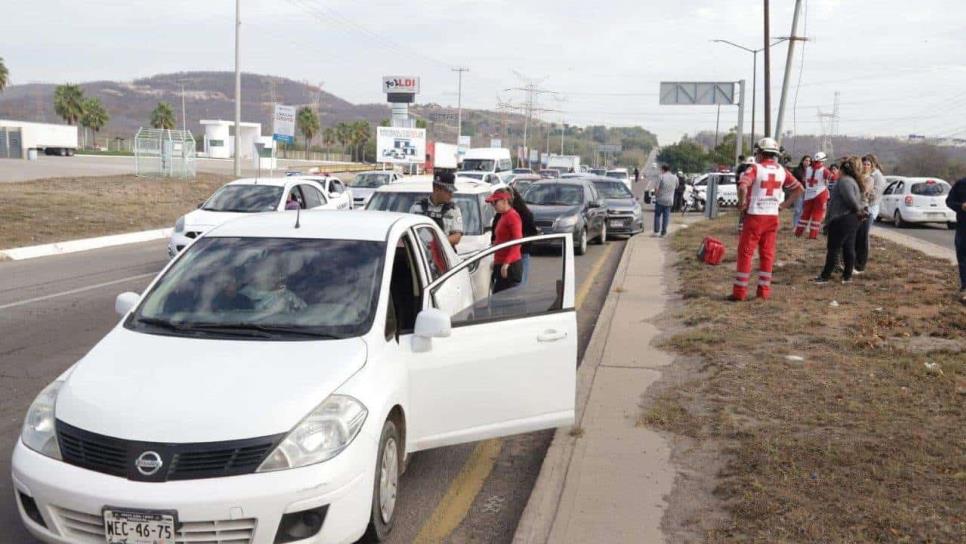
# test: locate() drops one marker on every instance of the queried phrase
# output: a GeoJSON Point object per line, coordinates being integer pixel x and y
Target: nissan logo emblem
{"type": "Point", "coordinates": [148, 463]}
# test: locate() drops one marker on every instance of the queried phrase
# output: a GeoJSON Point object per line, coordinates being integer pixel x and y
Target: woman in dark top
{"type": "Point", "coordinates": [846, 210]}
{"type": "Point", "coordinates": [529, 228]}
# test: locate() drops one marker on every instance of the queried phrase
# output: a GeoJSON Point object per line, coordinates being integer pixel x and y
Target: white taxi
{"type": "Point", "coordinates": [270, 383]}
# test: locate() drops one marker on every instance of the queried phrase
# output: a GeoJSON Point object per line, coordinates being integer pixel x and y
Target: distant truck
{"type": "Point", "coordinates": [564, 163]}
{"type": "Point", "coordinates": [51, 139]}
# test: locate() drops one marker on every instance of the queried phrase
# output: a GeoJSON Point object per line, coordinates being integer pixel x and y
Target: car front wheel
{"type": "Point", "coordinates": [603, 234]}
{"type": "Point", "coordinates": [897, 219]}
{"type": "Point", "coordinates": [580, 242]}
{"type": "Point", "coordinates": [386, 485]}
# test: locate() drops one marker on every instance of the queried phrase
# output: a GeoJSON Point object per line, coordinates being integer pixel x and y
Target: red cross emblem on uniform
{"type": "Point", "coordinates": [770, 184]}
{"type": "Point", "coordinates": [812, 182]}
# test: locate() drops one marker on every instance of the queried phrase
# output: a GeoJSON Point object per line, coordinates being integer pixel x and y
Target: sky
{"type": "Point", "coordinates": [899, 66]}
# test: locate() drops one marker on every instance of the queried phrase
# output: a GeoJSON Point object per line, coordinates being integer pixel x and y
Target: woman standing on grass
{"type": "Point", "coordinates": [800, 172]}
{"type": "Point", "coordinates": [876, 184]}
{"type": "Point", "coordinates": [846, 210]}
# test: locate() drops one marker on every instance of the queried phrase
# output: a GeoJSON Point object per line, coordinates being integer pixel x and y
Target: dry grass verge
{"type": "Point", "coordinates": [839, 423]}
{"type": "Point", "coordinates": [60, 209]}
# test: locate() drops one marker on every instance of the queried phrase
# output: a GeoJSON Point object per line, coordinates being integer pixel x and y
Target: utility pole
{"type": "Point", "coordinates": [739, 134]}
{"type": "Point", "coordinates": [788, 69]}
{"type": "Point", "coordinates": [767, 74]}
{"type": "Point", "coordinates": [717, 126]}
{"type": "Point", "coordinates": [237, 86]}
{"type": "Point", "coordinates": [184, 116]}
{"type": "Point", "coordinates": [459, 103]}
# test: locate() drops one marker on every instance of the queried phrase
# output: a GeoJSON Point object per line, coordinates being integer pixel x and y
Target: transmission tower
{"type": "Point", "coordinates": [830, 126]}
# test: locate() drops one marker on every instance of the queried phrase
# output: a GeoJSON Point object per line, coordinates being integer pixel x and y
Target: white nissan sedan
{"type": "Point", "coordinates": [270, 383]}
{"type": "Point", "coordinates": [255, 195]}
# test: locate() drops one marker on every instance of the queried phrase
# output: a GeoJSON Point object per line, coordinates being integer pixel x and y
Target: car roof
{"type": "Point", "coordinates": [320, 224]}
{"type": "Point", "coordinates": [375, 172]}
{"type": "Point", "coordinates": [424, 184]}
{"type": "Point", "coordinates": [919, 180]}
{"type": "Point", "coordinates": [527, 177]}
{"type": "Point", "coordinates": [562, 181]}
{"type": "Point", "coordinates": [273, 182]}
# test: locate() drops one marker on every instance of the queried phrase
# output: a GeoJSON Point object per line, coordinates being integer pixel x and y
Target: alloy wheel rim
{"type": "Point", "coordinates": [388, 480]}
{"type": "Point", "coordinates": [583, 240]}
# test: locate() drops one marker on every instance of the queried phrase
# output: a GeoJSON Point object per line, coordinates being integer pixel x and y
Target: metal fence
{"type": "Point", "coordinates": [164, 153]}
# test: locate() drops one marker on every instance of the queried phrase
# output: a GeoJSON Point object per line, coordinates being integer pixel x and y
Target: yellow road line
{"type": "Point", "coordinates": [456, 503]}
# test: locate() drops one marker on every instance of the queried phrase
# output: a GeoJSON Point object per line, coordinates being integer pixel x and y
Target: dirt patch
{"type": "Point", "coordinates": [808, 421]}
{"type": "Point", "coordinates": [60, 209]}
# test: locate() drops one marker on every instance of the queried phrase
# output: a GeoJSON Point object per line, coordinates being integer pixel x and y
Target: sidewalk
{"type": "Point", "coordinates": [606, 480]}
{"type": "Point", "coordinates": [929, 248]}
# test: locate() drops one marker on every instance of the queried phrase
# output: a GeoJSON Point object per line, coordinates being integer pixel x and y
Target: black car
{"type": "Point", "coordinates": [624, 213]}
{"type": "Point", "coordinates": [569, 205]}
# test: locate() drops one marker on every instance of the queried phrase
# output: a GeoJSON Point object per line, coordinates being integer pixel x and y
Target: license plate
{"type": "Point", "coordinates": [139, 526]}
{"type": "Point", "coordinates": [616, 223]}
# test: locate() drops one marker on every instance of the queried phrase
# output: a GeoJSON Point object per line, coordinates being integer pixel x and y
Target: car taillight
{"type": "Point", "coordinates": [909, 200]}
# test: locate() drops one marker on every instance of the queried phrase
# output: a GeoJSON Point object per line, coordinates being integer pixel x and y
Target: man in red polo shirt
{"type": "Point", "coordinates": [507, 263]}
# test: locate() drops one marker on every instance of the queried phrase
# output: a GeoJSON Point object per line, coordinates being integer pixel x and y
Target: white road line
{"type": "Point", "coordinates": [76, 291]}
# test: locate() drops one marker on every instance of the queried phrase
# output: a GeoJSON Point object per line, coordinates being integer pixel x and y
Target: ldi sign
{"type": "Point", "coordinates": [400, 84]}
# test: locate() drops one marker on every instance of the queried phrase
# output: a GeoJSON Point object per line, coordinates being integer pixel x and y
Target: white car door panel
{"type": "Point", "coordinates": [508, 364]}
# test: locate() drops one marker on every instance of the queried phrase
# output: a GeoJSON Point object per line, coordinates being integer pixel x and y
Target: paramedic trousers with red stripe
{"type": "Point", "coordinates": [758, 232]}
{"type": "Point", "coordinates": [813, 213]}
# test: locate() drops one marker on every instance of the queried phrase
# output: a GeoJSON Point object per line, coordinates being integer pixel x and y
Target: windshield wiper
{"type": "Point", "coordinates": [264, 330]}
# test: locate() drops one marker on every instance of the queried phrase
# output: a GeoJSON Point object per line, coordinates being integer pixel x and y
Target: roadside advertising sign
{"type": "Point", "coordinates": [283, 124]}
{"type": "Point", "coordinates": [400, 145]}
{"type": "Point", "coordinates": [400, 84]}
{"type": "Point", "coordinates": [464, 143]}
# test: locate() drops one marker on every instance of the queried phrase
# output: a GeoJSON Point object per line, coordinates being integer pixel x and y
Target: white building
{"type": "Point", "coordinates": [220, 142]}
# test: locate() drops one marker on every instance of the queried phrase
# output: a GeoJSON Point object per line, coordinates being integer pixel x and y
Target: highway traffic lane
{"type": "Point", "coordinates": [937, 233]}
{"type": "Point", "coordinates": [41, 337]}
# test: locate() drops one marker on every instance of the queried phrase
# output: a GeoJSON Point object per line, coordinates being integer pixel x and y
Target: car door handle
{"type": "Point", "coordinates": [551, 335]}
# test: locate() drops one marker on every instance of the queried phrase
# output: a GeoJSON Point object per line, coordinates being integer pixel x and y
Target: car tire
{"type": "Point", "coordinates": [602, 239]}
{"type": "Point", "coordinates": [388, 469]}
{"type": "Point", "coordinates": [951, 225]}
{"type": "Point", "coordinates": [580, 243]}
{"type": "Point", "coordinates": [899, 221]}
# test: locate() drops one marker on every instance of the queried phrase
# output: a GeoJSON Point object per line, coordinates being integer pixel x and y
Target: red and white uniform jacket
{"type": "Point", "coordinates": [817, 180]}
{"type": "Point", "coordinates": [764, 182]}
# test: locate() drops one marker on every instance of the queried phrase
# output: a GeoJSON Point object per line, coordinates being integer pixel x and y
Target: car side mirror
{"type": "Point", "coordinates": [125, 302]}
{"type": "Point", "coordinates": [593, 204]}
{"type": "Point", "coordinates": [430, 323]}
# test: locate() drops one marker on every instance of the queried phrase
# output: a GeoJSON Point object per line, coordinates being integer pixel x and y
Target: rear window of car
{"type": "Point", "coordinates": [397, 201]}
{"type": "Point", "coordinates": [929, 188]}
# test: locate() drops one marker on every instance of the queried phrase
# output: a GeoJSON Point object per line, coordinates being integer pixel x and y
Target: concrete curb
{"type": "Point", "coordinates": [73, 246]}
{"type": "Point", "coordinates": [929, 248]}
{"type": "Point", "coordinates": [537, 520]}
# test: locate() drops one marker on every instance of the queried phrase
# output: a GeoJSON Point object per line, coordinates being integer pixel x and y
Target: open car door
{"type": "Point", "coordinates": [505, 364]}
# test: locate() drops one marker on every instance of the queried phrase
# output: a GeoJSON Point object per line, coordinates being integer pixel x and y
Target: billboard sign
{"type": "Point", "coordinates": [401, 145]}
{"type": "Point", "coordinates": [698, 93]}
{"type": "Point", "coordinates": [400, 84]}
{"type": "Point", "coordinates": [283, 124]}
{"type": "Point", "coordinates": [609, 148]}
{"type": "Point", "coordinates": [463, 144]}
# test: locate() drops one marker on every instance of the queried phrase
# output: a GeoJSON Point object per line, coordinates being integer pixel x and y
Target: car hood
{"type": "Point", "coordinates": [204, 219]}
{"type": "Point", "coordinates": [621, 204]}
{"type": "Point", "coordinates": [547, 213]}
{"type": "Point", "coordinates": [155, 388]}
{"type": "Point", "coordinates": [362, 192]}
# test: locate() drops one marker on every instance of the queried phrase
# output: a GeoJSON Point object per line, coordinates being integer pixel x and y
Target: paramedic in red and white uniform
{"type": "Point", "coordinates": [760, 197]}
{"type": "Point", "coordinates": [817, 180]}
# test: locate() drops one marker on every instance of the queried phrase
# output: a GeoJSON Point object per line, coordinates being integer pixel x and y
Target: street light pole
{"type": "Point", "coordinates": [237, 87]}
{"type": "Point", "coordinates": [767, 73]}
{"type": "Point", "coordinates": [754, 76]}
{"type": "Point", "coordinates": [459, 103]}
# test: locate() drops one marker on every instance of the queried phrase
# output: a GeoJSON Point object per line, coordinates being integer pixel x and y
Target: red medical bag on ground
{"type": "Point", "coordinates": [711, 251]}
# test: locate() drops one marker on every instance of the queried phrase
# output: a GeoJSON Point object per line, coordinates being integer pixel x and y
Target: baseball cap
{"type": "Point", "coordinates": [446, 181]}
{"type": "Point", "coordinates": [498, 195]}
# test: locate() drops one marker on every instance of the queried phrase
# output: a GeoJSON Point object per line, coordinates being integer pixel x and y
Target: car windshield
{"type": "Point", "coordinates": [472, 175]}
{"type": "Point", "coordinates": [480, 165]}
{"type": "Point", "coordinates": [929, 188]}
{"type": "Point", "coordinates": [618, 175]}
{"type": "Point", "coordinates": [245, 198]}
{"type": "Point", "coordinates": [612, 189]}
{"type": "Point", "coordinates": [522, 185]}
{"type": "Point", "coordinates": [396, 201]}
{"type": "Point", "coordinates": [269, 288]}
{"type": "Point", "coordinates": [522, 171]}
{"type": "Point", "coordinates": [554, 194]}
{"type": "Point", "coordinates": [371, 180]}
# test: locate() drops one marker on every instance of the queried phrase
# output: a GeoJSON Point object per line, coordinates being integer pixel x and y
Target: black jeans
{"type": "Point", "coordinates": [841, 239]}
{"type": "Point", "coordinates": [961, 252]}
{"type": "Point", "coordinates": [862, 244]}
{"type": "Point", "coordinates": [513, 277]}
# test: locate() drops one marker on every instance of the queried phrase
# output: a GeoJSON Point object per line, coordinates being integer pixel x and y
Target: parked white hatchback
{"type": "Point", "coordinates": [245, 196]}
{"type": "Point", "coordinates": [916, 200]}
{"type": "Point", "coordinates": [269, 384]}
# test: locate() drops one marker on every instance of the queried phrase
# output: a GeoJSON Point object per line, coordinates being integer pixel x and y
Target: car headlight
{"type": "Point", "coordinates": [322, 435]}
{"type": "Point", "coordinates": [39, 432]}
{"type": "Point", "coordinates": [567, 221]}
{"type": "Point", "coordinates": [179, 224]}
{"type": "Point", "coordinates": [637, 211]}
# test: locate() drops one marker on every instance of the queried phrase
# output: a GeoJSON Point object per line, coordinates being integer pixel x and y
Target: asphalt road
{"type": "Point", "coordinates": [104, 165]}
{"type": "Point", "coordinates": [54, 309]}
{"type": "Point", "coordinates": [936, 233]}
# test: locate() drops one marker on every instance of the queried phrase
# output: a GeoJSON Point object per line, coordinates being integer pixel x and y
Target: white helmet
{"type": "Point", "coordinates": [768, 145]}
{"type": "Point", "coordinates": [820, 157]}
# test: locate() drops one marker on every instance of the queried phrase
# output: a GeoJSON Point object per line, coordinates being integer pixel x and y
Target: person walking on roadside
{"type": "Point", "coordinates": [800, 172]}
{"type": "Point", "coordinates": [957, 201]}
{"type": "Point", "coordinates": [817, 178]}
{"type": "Point", "coordinates": [529, 229]}
{"type": "Point", "coordinates": [439, 207]}
{"type": "Point", "coordinates": [637, 175]}
{"type": "Point", "coordinates": [876, 186]}
{"type": "Point", "coordinates": [664, 189]}
{"type": "Point", "coordinates": [507, 263]}
{"type": "Point", "coordinates": [846, 211]}
{"type": "Point", "coordinates": [679, 192]}
{"type": "Point", "coordinates": [761, 196]}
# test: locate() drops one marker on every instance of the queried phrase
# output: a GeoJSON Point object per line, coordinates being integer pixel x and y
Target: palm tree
{"type": "Point", "coordinates": [162, 116]}
{"type": "Point", "coordinates": [308, 124]}
{"type": "Point", "coordinates": [343, 135]}
{"type": "Point", "coordinates": [69, 102]}
{"type": "Point", "coordinates": [95, 116]}
{"type": "Point", "coordinates": [360, 135]}
{"type": "Point", "coordinates": [4, 75]}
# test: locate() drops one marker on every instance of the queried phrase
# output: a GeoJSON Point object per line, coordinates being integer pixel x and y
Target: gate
{"type": "Point", "coordinates": [11, 146]}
